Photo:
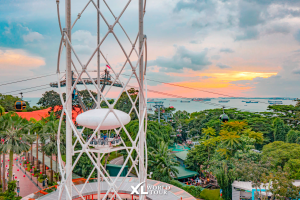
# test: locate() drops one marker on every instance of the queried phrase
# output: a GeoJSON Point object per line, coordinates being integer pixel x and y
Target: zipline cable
{"type": "Point", "coordinates": [28, 79]}
{"type": "Point", "coordinates": [24, 89]}
{"type": "Point", "coordinates": [34, 90]}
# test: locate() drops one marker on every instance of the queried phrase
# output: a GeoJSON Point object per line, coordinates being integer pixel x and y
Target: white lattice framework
{"type": "Point", "coordinates": [138, 145]}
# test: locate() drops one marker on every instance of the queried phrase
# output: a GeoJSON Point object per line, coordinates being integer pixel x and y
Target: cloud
{"type": "Point", "coordinates": [297, 35]}
{"type": "Point", "coordinates": [249, 34]}
{"type": "Point", "coordinates": [221, 66]}
{"type": "Point", "coordinates": [296, 71]}
{"type": "Point", "coordinates": [194, 42]}
{"type": "Point", "coordinates": [84, 42]}
{"type": "Point", "coordinates": [197, 5]}
{"type": "Point", "coordinates": [250, 14]}
{"type": "Point", "coordinates": [32, 36]}
{"type": "Point", "coordinates": [226, 50]}
{"type": "Point", "coordinates": [16, 60]}
{"type": "Point", "coordinates": [283, 28]}
{"type": "Point", "coordinates": [285, 83]}
{"type": "Point", "coordinates": [183, 58]}
{"type": "Point", "coordinates": [206, 77]}
{"type": "Point", "coordinates": [215, 57]}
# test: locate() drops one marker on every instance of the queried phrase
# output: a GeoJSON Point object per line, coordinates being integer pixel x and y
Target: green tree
{"type": "Point", "coordinates": [224, 172]}
{"type": "Point", "coordinates": [197, 157]}
{"type": "Point", "coordinates": [8, 102]}
{"type": "Point", "coordinates": [15, 137]}
{"type": "Point", "coordinates": [282, 186]}
{"type": "Point", "coordinates": [256, 172]}
{"type": "Point", "coordinates": [124, 103]}
{"type": "Point", "coordinates": [50, 99]}
{"type": "Point", "coordinates": [2, 110]}
{"type": "Point", "coordinates": [280, 130]}
{"type": "Point", "coordinates": [293, 136]}
{"type": "Point", "coordinates": [37, 129]}
{"type": "Point", "coordinates": [293, 168]}
{"type": "Point", "coordinates": [50, 135]}
{"type": "Point", "coordinates": [162, 163]}
{"type": "Point", "coordinates": [10, 193]}
{"type": "Point", "coordinates": [280, 153]}
{"type": "Point", "coordinates": [230, 142]}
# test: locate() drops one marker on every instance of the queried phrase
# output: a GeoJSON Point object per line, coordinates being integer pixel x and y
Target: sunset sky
{"type": "Point", "coordinates": [247, 48]}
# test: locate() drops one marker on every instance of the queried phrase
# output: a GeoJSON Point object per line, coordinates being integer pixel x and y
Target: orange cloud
{"type": "Point", "coordinates": [218, 85]}
{"type": "Point", "coordinates": [19, 59]}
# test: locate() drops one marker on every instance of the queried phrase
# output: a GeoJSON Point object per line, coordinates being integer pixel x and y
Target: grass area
{"type": "Point", "coordinates": [113, 155]}
{"type": "Point", "coordinates": [210, 194]}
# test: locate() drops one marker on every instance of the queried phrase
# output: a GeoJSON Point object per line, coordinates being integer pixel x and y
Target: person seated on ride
{"type": "Point", "coordinates": [104, 137]}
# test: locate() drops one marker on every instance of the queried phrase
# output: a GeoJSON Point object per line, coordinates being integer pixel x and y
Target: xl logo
{"type": "Point", "coordinates": [135, 189]}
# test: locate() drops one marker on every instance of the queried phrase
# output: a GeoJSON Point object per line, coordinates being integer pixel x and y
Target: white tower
{"type": "Point", "coordinates": [96, 147]}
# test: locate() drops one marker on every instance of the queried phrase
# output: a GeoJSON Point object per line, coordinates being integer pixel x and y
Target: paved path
{"type": "Point", "coordinates": [47, 159]}
{"type": "Point", "coordinates": [27, 186]}
{"type": "Point", "coordinates": [117, 161]}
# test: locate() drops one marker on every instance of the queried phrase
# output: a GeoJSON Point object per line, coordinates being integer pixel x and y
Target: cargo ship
{"type": "Point", "coordinates": [224, 101]}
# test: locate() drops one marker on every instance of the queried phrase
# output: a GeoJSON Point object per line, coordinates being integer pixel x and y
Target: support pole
{"type": "Point", "coordinates": [141, 100]}
{"type": "Point", "coordinates": [158, 117]}
{"type": "Point", "coordinates": [69, 103]}
{"type": "Point", "coordinates": [98, 95]}
{"type": "Point", "coordinates": [99, 178]}
{"type": "Point", "coordinates": [98, 56]}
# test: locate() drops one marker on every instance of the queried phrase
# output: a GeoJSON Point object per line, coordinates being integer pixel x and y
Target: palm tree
{"type": "Point", "coordinates": [163, 161]}
{"type": "Point", "coordinates": [230, 140]}
{"type": "Point", "coordinates": [209, 132]}
{"type": "Point", "coordinates": [50, 135]}
{"type": "Point", "coordinates": [15, 137]}
{"type": "Point", "coordinates": [51, 146]}
{"type": "Point", "coordinates": [37, 128]}
{"type": "Point", "coordinates": [3, 175]}
{"type": "Point", "coordinates": [2, 110]}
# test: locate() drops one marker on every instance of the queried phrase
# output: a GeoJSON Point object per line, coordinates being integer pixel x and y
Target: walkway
{"type": "Point", "coordinates": [27, 186]}
{"type": "Point", "coordinates": [47, 159]}
{"type": "Point", "coordinates": [117, 161]}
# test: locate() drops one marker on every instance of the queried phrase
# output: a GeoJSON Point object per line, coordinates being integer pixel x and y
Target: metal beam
{"type": "Point", "coordinates": [69, 147]}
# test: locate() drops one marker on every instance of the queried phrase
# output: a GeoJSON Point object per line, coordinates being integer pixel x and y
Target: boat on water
{"type": "Point", "coordinates": [251, 101]}
{"type": "Point", "coordinates": [173, 100]}
{"type": "Point", "coordinates": [224, 101]}
{"type": "Point", "coordinates": [275, 102]}
{"type": "Point", "coordinates": [185, 101]}
{"type": "Point", "coordinates": [148, 100]}
{"type": "Point", "coordinates": [201, 99]}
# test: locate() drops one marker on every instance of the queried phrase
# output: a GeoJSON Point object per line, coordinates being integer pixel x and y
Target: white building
{"type": "Point", "coordinates": [243, 190]}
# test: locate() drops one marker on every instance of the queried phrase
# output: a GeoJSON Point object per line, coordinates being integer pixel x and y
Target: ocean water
{"type": "Point", "coordinates": [32, 101]}
{"type": "Point", "coordinates": [193, 106]}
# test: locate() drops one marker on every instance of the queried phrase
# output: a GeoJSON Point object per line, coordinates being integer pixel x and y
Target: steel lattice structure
{"type": "Point", "coordinates": [138, 145]}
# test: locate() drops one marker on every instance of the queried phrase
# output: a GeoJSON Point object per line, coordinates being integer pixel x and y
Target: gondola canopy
{"type": "Point", "coordinates": [20, 105]}
{"type": "Point", "coordinates": [224, 118]}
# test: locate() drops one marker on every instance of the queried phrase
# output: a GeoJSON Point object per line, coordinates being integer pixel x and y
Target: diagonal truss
{"type": "Point", "coordinates": [138, 144]}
